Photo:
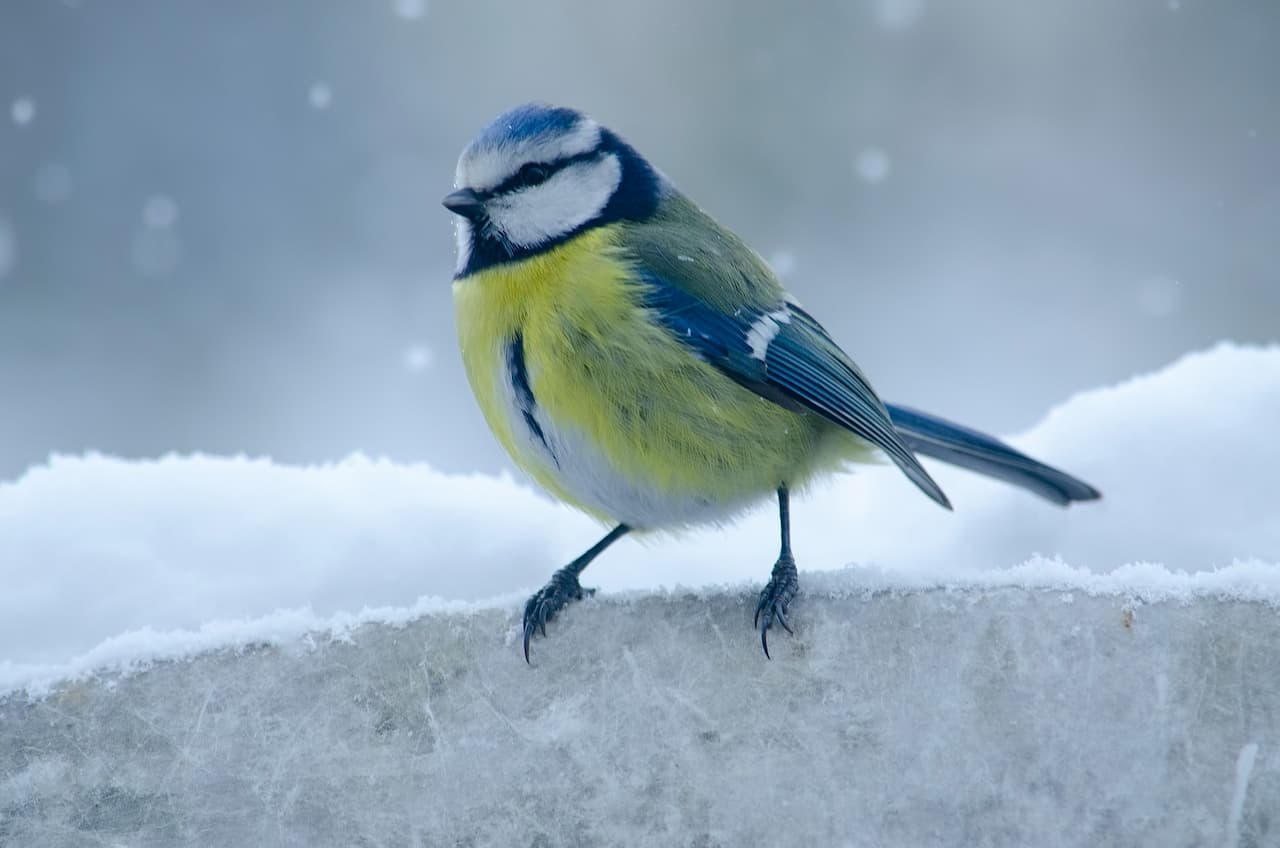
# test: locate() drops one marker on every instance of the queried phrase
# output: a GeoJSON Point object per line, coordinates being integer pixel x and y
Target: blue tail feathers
{"type": "Point", "coordinates": [952, 443]}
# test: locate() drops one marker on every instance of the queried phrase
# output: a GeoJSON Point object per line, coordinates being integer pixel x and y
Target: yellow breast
{"type": "Point", "coordinates": [633, 426]}
{"type": "Point", "coordinates": [574, 290]}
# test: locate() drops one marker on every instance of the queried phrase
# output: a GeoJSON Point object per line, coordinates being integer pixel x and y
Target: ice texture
{"type": "Point", "coordinates": [926, 717]}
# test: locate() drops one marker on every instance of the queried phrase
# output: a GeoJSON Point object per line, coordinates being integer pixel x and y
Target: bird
{"type": "Point", "coordinates": [642, 363]}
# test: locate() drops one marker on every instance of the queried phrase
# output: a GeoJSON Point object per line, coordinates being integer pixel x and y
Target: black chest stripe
{"type": "Point", "coordinates": [524, 392]}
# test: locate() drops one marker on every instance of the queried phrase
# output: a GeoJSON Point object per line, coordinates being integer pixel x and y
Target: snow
{"type": "Point", "coordinates": [418, 357]}
{"type": "Point", "coordinates": [160, 212]}
{"type": "Point", "coordinates": [898, 14]}
{"type": "Point", "coordinates": [872, 165]}
{"type": "Point", "coordinates": [23, 111]}
{"type": "Point", "coordinates": [319, 96]}
{"type": "Point", "coordinates": [409, 10]}
{"type": "Point", "coordinates": [973, 718]}
{"type": "Point", "coordinates": [226, 651]}
{"type": "Point", "coordinates": [1244, 771]}
{"type": "Point", "coordinates": [110, 563]}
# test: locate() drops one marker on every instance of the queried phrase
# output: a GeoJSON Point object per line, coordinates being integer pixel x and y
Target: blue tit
{"type": "Point", "coordinates": [645, 365]}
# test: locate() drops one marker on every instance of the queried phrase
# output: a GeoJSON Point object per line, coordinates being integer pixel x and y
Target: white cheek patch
{"type": "Point", "coordinates": [571, 198]}
{"type": "Point", "coordinates": [483, 169]}
{"type": "Point", "coordinates": [765, 330]}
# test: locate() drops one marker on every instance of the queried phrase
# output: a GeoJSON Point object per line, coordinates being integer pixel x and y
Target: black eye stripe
{"type": "Point", "coordinates": [518, 180]}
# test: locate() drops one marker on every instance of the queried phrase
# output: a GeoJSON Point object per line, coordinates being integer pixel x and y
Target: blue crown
{"type": "Point", "coordinates": [525, 122]}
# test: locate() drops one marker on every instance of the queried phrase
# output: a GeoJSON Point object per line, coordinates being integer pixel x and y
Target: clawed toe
{"type": "Point", "coordinates": [781, 589]}
{"type": "Point", "coordinates": [561, 590]}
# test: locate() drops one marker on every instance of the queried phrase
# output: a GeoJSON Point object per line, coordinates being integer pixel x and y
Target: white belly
{"type": "Point", "coordinates": [560, 451]}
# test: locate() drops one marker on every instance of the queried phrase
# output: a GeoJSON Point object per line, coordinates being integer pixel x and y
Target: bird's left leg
{"type": "Point", "coordinates": [783, 583]}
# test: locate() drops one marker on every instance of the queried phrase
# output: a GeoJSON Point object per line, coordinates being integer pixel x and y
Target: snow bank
{"type": "Point", "coordinates": [93, 547]}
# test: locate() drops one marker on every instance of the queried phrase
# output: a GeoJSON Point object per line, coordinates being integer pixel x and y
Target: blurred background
{"type": "Point", "coordinates": [220, 226]}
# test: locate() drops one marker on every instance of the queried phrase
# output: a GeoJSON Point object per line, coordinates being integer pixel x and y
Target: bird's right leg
{"type": "Point", "coordinates": [563, 588]}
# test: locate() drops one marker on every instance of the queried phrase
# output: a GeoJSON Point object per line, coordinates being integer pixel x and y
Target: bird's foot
{"type": "Point", "coordinates": [561, 590]}
{"type": "Point", "coordinates": [777, 595]}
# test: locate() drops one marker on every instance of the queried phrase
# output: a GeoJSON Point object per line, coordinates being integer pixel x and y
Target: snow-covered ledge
{"type": "Point", "coordinates": [1138, 713]}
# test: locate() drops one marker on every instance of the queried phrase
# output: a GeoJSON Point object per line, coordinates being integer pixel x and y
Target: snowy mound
{"type": "Point", "coordinates": [106, 562]}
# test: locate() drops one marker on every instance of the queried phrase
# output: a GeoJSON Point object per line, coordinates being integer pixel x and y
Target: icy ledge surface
{"type": "Point", "coordinates": [1120, 709]}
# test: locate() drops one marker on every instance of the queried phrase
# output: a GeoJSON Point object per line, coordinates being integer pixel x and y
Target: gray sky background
{"type": "Point", "coordinates": [220, 226]}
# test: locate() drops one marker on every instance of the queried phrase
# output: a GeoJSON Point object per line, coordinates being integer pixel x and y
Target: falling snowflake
{"type": "Point", "coordinates": [410, 10]}
{"type": "Point", "coordinates": [23, 111]}
{"type": "Point", "coordinates": [160, 212]}
{"type": "Point", "coordinates": [320, 96]}
{"type": "Point", "coordinates": [898, 14]}
{"type": "Point", "coordinates": [872, 165]}
{"type": "Point", "coordinates": [418, 358]}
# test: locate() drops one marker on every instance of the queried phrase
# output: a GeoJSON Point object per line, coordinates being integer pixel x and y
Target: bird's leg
{"type": "Point", "coordinates": [783, 583]}
{"type": "Point", "coordinates": [563, 588]}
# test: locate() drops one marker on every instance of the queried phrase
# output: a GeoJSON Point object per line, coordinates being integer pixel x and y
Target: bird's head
{"type": "Point", "coordinates": [539, 175]}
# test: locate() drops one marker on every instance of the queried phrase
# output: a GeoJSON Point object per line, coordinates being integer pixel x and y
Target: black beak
{"type": "Point", "coordinates": [464, 202]}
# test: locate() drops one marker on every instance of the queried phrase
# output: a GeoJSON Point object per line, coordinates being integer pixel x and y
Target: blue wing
{"type": "Point", "coordinates": [802, 368]}
{"type": "Point", "coordinates": [786, 356]}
